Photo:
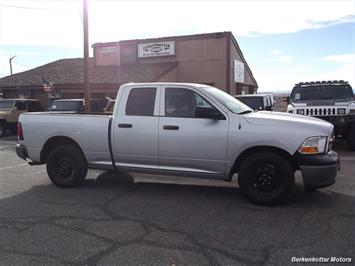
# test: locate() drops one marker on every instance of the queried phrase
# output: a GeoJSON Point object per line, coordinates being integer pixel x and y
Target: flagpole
{"type": "Point", "coordinates": [86, 57]}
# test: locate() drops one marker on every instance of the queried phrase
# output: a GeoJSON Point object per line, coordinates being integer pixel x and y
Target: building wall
{"type": "Point", "coordinates": [237, 88]}
{"type": "Point", "coordinates": [201, 60]}
{"type": "Point", "coordinates": [206, 58]}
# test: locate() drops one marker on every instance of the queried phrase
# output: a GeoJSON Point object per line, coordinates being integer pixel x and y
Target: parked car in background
{"type": "Point", "coordinates": [332, 101]}
{"type": "Point", "coordinates": [72, 105]}
{"type": "Point", "coordinates": [257, 101]}
{"type": "Point", "coordinates": [10, 110]}
{"type": "Point", "coordinates": [77, 105]}
{"type": "Point", "coordinates": [188, 130]}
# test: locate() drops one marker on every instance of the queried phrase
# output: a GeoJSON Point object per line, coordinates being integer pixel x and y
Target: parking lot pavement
{"type": "Point", "coordinates": [121, 219]}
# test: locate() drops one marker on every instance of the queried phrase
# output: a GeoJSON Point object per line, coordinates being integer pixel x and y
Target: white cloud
{"type": "Point", "coordinates": [275, 79]}
{"type": "Point", "coordinates": [279, 57]}
{"type": "Point", "coordinates": [276, 52]}
{"type": "Point", "coordinates": [344, 58]}
{"type": "Point", "coordinates": [58, 23]}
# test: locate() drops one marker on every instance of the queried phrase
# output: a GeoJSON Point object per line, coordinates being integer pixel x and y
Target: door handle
{"type": "Point", "coordinates": [125, 125]}
{"type": "Point", "coordinates": [168, 127]}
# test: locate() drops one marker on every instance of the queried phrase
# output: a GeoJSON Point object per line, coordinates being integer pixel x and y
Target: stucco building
{"type": "Point", "coordinates": [214, 59]}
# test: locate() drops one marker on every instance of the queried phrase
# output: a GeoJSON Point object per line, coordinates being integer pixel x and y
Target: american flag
{"type": "Point", "coordinates": [47, 86]}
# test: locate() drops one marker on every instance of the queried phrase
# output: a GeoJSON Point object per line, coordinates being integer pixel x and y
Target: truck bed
{"type": "Point", "coordinates": [88, 130]}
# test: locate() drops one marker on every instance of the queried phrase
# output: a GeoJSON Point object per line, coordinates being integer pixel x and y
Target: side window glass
{"type": "Point", "coordinates": [20, 105]}
{"type": "Point", "coordinates": [141, 102]}
{"type": "Point", "coordinates": [34, 107]}
{"type": "Point", "coordinates": [200, 102]}
{"type": "Point", "coordinates": [180, 102]}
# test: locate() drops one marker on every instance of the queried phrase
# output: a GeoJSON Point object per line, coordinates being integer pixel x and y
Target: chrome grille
{"type": "Point", "coordinates": [320, 111]}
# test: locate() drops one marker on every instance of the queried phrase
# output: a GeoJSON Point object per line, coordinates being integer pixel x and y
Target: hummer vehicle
{"type": "Point", "coordinates": [332, 101]}
{"type": "Point", "coordinates": [10, 110]}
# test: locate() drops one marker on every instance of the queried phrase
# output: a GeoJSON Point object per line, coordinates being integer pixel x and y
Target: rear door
{"type": "Point", "coordinates": [188, 140]}
{"type": "Point", "coordinates": [135, 132]}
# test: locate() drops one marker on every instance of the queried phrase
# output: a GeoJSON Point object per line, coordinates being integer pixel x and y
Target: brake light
{"type": "Point", "coordinates": [19, 131]}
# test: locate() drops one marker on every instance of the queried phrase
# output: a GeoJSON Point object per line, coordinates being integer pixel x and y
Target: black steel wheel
{"type": "Point", "coordinates": [266, 178]}
{"type": "Point", "coordinates": [66, 166]}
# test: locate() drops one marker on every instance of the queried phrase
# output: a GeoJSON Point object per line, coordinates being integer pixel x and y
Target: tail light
{"type": "Point", "coordinates": [19, 131]}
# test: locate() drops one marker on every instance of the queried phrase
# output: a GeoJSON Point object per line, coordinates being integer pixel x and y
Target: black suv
{"type": "Point", "coordinates": [332, 101]}
{"type": "Point", "coordinates": [257, 101]}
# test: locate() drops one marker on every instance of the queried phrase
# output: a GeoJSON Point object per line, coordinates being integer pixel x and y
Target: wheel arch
{"type": "Point", "coordinates": [246, 153]}
{"type": "Point", "coordinates": [56, 141]}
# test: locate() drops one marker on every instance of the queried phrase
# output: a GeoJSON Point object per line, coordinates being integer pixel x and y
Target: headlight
{"type": "Point", "coordinates": [352, 111]}
{"type": "Point", "coordinates": [341, 111]}
{"type": "Point", "coordinates": [300, 111]}
{"type": "Point", "coordinates": [313, 145]}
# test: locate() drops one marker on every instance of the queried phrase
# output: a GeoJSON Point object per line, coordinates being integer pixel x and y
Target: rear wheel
{"type": "Point", "coordinates": [66, 166]}
{"type": "Point", "coordinates": [266, 178]}
{"type": "Point", "coordinates": [351, 137]}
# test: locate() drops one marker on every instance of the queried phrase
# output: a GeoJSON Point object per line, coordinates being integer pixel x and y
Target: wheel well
{"type": "Point", "coordinates": [245, 154]}
{"type": "Point", "coordinates": [55, 142]}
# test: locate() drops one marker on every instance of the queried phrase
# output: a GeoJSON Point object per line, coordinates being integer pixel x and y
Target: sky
{"type": "Point", "coordinates": [283, 42]}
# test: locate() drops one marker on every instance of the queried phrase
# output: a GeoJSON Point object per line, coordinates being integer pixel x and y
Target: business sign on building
{"type": "Point", "coordinates": [238, 71]}
{"type": "Point", "coordinates": [108, 49]}
{"type": "Point", "coordinates": [156, 49]}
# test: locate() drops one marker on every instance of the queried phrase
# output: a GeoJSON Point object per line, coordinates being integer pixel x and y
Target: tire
{"type": "Point", "coordinates": [2, 129]}
{"type": "Point", "coordinates": [351, 137]}
{"type": "Point", "coordinates": [66, 166]}
{"type": "Point", "coordinates": [266, 178]}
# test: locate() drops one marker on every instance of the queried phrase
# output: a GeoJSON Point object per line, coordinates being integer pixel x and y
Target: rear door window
{"type": "Point", "coordinates": [141, 102]}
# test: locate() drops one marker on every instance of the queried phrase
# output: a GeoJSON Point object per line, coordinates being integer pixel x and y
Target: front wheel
{"type": "Point", "coordinates": [66, 166]}
{"type": "Point", "coordinates": [266, 178]}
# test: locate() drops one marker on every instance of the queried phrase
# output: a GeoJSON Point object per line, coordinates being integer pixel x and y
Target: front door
{"type": "Point", "coordinates": [189, 141]}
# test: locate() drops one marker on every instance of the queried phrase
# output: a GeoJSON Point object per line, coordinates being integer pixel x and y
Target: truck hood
{"type": "Point", "coordinates": [278, 120]}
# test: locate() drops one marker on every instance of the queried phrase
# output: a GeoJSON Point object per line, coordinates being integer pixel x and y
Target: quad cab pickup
{"type": "Point", "coordinates": [187, 130]}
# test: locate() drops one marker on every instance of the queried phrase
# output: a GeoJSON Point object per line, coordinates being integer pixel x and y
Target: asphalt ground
{"type": "Point", "coordinates": [121, 219]}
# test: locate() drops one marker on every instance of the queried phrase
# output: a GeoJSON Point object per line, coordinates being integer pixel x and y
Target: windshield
{"type": "Point", "coordinates": [6, 104]}
{"type": "Point", "coordinates": [255, 103]}
{"type": "Point", "coordinates": [66, 106]}
{"type": "Point", "coordinates": [330, 92]}
{"type": "Point", "coordinates": [227, 100]}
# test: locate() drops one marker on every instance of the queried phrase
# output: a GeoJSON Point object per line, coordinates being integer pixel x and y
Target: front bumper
{"type": "Point", "coordinates": [21, 151]}
{"type": "Point", "coordinates": [318, 170]}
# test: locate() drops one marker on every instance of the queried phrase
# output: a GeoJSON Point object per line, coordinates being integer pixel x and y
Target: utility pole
{"type": "Point", "coordinates": [86, 58]}
{"type": "Point", "coordinates": [10, 61]}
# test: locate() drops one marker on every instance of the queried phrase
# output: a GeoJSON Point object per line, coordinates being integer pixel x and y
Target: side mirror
{"type": "Point", "coordinates": [210, 113]}
{"type": "Point", "coordinates": [286, 99]}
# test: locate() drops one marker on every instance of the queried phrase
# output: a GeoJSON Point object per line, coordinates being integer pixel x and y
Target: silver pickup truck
{"type": "Point", "coordinates": [188, 130]}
